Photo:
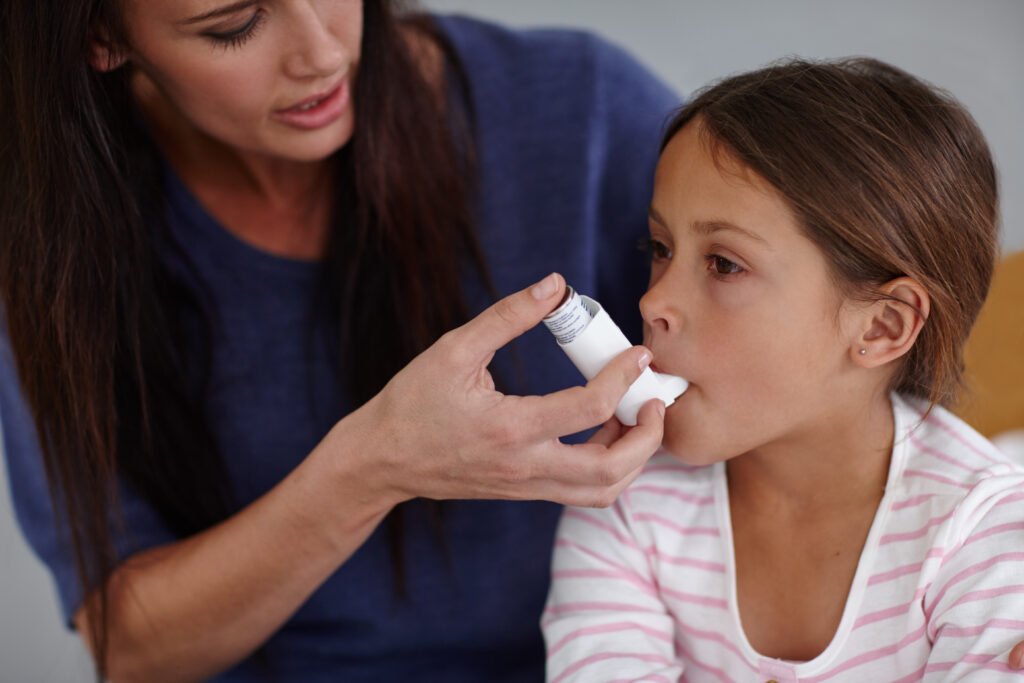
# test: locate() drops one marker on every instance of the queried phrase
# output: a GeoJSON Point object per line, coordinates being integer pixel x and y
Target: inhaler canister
{"type": "Point", "coordinates": [591, 339]}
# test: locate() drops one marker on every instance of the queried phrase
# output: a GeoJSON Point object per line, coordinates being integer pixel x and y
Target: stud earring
{"type": "Point", "coordinates": [863, 352]}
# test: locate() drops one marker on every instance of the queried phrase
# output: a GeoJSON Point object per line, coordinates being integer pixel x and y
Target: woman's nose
{"type": "Point", "coordinates": [317, 52]}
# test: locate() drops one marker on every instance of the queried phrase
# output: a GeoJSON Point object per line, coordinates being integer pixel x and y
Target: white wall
{"type": "Point", "coordinates": [975, 50]}
{"type": "Point", "coordinates": [34, 645]}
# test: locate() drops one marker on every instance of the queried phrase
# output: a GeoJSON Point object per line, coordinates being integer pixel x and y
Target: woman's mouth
{"type": "Point", "coordinates": [317, 111]}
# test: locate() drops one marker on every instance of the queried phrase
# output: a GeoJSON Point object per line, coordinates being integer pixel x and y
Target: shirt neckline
{"type": "Point", "coordinates": [227, 245]}
{"type": "Point", "coordinates": [852, 607]}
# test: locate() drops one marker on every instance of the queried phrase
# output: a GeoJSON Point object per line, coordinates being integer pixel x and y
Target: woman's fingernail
{"type": "Point", "coordinates": [661, 409]}
{"type": "Point", "coordinates": [1017, 658]}
{"type": "Point", "coordinates": [645, 359]}
{"type": "Point", "coordinates": [545, 288]}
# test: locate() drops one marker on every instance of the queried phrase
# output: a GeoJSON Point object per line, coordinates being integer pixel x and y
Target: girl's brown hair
{"type": "Point", "coordinates": [888, 175]}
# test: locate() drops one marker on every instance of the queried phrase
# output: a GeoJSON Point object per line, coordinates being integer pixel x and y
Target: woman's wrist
{"type": "Point", "coordinates": [348, 481]}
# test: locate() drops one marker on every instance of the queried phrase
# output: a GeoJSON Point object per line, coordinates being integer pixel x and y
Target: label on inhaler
{"type": "Point", "coordinates": [570, 319]}
{"type": "Point", "coordinates": [591, 339]}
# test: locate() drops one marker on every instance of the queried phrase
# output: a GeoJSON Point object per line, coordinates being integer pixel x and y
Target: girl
{"type": "Point", "coordinates": [231, 234]}
{"type": "Point", "coordinates": [822, 237]}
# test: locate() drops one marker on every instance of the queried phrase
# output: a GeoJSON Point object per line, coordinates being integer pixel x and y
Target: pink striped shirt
{"type": "Point", "coordinates": [645, 590]}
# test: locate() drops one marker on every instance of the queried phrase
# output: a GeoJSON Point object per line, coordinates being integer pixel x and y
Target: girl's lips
{"type": "Point", "coordinates": [655, 368]}
{"type": "Point", "coordinates": [317, 111]}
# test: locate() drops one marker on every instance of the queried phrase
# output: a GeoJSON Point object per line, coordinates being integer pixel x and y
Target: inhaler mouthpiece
{"type": "Point", "coordinates": [591, 339]}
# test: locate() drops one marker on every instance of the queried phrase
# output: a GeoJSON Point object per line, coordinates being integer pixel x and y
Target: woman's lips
{"type": "Point", "coordinates": [316, 111]}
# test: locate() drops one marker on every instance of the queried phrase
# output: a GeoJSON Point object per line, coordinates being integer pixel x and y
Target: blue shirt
{"type": "Point", "coordinates": [568, 129]}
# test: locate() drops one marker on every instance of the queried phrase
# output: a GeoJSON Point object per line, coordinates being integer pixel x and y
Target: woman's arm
{"type": "Point", "coordinates": [190, 609]}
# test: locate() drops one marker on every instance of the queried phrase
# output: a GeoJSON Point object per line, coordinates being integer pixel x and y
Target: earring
{"type": "Point", "coordinates": [863, 351]}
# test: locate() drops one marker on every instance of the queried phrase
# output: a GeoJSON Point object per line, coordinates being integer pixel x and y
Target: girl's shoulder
{"type": "Point", "coordinates": [951, 472]}
{"type": "Point", "coordinates": [669, 508]}
{"type": "Point", "coordinates": [941, 452]}
{"type": "Point", "coordinates": [666, 479]}
{"type": "Point", "coordinates": [663, 463]}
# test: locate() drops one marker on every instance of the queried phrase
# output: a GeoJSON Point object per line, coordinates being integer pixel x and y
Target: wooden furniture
{"type": "Point", "coordinates": [994, 357]}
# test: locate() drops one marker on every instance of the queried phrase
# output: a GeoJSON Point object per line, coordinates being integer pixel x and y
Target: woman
{"type": "Point", "coordinates": [234, 234]}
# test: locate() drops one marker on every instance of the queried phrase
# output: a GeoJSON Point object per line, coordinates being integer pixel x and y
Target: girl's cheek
{"type": "Point", "coordinates": [732, 294]}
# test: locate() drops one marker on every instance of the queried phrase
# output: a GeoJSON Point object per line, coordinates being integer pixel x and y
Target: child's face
{"type": "Point", "coordinates": [740, 303]}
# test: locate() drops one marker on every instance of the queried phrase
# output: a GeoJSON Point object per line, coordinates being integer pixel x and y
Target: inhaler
{"type": "Point", "coordinates": [591, 339]}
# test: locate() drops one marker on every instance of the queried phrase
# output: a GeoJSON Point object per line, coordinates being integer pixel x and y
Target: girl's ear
{"type": "Point", "coordinates": [104, 55]}
{"type": "Point", "coordinates": [889, 326]}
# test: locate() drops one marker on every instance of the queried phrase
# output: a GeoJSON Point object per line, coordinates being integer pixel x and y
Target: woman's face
{"type": "Point", "coordinates": [741, 304]}
{"type": "Point", "coordinates": [272, 77]}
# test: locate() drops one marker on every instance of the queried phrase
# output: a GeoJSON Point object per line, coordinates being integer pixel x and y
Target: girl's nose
{"type": "Point", "coordinates": [661, 310]}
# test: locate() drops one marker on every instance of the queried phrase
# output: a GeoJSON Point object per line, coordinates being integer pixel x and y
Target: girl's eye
{"type": "Point", "coordinates": [657, 251]}
{"type": "Point", "coordinates": [239, 36]}
{"type": "Point", "coordinates": [721, 266]}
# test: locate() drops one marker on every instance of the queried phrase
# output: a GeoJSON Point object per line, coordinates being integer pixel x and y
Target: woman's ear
{"type": "Point", "coordinates": [889, 327]}
{"type": "Point", "coordinates": [104, 55]}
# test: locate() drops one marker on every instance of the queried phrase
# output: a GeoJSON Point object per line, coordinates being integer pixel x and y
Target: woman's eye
{"type": "Point", "coordinates": [719, 265]}
{"type": "Point", "coordinates": [656, 250]}
{"type": "Point", "coordinates": [237, 37]}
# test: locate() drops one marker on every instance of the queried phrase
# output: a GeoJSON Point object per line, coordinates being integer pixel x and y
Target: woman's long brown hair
{"type": "Point", "coordinates": [91, 311]}
{"type": "Point", "coordinates": [888, 175]}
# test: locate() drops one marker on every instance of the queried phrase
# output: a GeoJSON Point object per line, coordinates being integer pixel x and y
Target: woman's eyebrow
{"type": "Point", "coordinates": [219, 12]}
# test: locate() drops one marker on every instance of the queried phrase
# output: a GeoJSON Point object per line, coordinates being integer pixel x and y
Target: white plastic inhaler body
{"type": "Point", "coordinates": [591, 339]}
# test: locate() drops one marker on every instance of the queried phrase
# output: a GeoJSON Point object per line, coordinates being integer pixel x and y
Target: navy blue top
{"type": "Point", "coordinates": [568, 129]}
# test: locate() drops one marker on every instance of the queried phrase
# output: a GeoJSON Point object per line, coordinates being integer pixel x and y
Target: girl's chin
{"type": "Point", "coordinates": [691, 451]}
{"type": "Point", "coordinates": [702, 460]}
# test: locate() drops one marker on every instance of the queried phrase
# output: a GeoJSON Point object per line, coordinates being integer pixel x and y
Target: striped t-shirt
{"type": "Point", "coordinates": [645, 590]}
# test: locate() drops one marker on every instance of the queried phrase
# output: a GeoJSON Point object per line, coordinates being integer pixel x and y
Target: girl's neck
{"type": "Point", "coordinates": [839, 464]}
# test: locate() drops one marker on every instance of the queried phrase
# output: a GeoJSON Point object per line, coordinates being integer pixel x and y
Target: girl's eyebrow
{"type": "Point", "coordinates": [219, 12]}
{"type": "Point", "coordinates": [655, 216]}
{"type": "Point", "coordinates": [708, 228]}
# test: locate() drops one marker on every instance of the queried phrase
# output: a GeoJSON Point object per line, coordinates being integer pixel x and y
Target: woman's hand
{"type": "Point", "coordinates": [440, 430]}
